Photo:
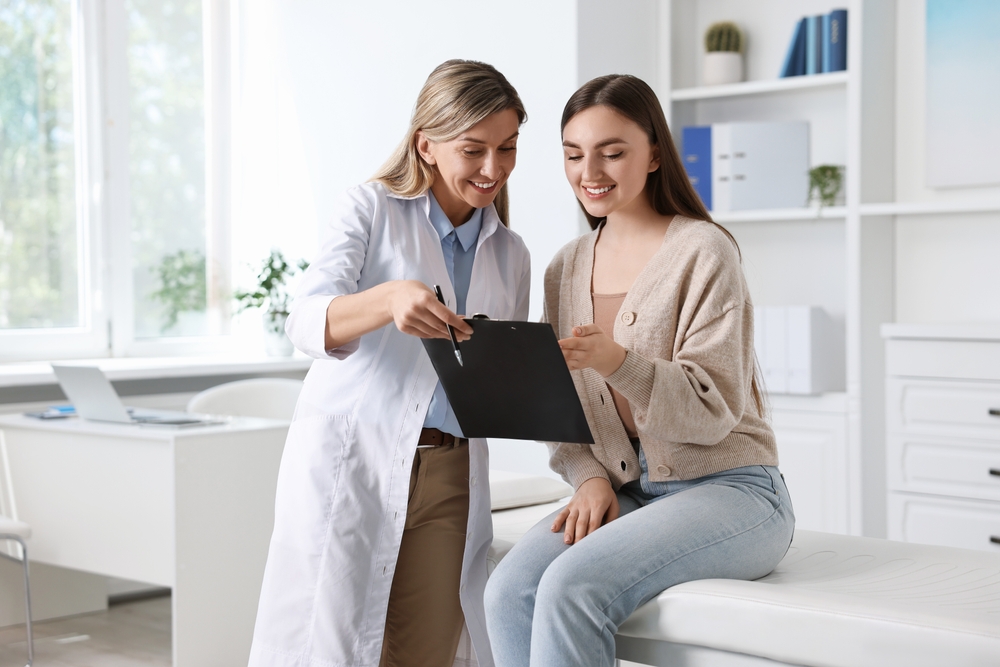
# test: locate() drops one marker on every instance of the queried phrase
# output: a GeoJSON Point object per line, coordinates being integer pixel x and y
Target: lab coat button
{"type": "Point", "coordinates": [628, 318]}
{"type": "Point", "coordinates": [663, 470]}
{"type": "Point", "coordinates": [472, 481]}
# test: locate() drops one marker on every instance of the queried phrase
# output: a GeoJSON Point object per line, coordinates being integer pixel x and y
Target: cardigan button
{"type": "Point", "coordinates": [628, 318]}
{"type": "Point", "coordinates": [663, 470]}
{"type": "Point", "coordinates": [623, 465]}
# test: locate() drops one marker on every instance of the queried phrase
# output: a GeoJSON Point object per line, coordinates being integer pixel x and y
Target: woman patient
{"type": "Point", "coordinates": [656, 325]}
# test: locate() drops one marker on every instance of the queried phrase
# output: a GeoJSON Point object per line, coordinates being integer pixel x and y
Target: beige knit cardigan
{"type": "Point", "coordinates": [687, 324]}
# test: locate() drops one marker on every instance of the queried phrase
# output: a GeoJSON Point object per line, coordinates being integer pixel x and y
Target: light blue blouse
{"type": "Point", "coordinates": [459, 247]}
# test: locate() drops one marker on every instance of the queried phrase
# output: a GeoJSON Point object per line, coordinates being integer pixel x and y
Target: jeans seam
{"type": "Point", "coordinates": [639, 581]}
{"type": "Point", "coordinates": [771, 479]}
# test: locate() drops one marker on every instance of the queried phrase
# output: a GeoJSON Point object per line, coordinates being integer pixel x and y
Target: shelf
{"type": "Point", "coordinates": [760, 87]}
{"type": "Point", "coordinates": [932, 208]}
{"type": "Point", "coordinates": [774, 214]}
{"type": "Point", "coordinates": [975, 331]}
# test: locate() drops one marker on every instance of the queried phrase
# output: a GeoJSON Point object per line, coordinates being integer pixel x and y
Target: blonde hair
{"type": "Point", "coordinates": [456, 96]}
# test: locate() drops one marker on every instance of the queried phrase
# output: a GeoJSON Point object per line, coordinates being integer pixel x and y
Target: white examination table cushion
{"type": "Point", "coordinates": [839, 601]}
{"type": "Point", "coordinates": [833, 601]}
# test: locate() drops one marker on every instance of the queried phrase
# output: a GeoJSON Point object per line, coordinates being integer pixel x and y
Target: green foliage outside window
{"type": "Point", "coordinates": [38, 222]}
{"type": "Point", "coordinates": [166, 145]}
{"type": "Point", "coordinates": [181, 277]}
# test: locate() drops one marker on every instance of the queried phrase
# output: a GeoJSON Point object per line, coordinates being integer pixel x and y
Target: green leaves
{"type": "Point", "coordinates": [271, 291]}
{"type": "Point", "coordinates": [825, 182]}
{"type": "Point", "coordinates": [182, 284]}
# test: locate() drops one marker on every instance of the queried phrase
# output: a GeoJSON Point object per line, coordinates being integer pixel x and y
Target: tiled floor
{"type": "Point", "coordinates": [135, 634]}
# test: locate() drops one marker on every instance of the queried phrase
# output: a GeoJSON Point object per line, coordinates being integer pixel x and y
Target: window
{"type": "Point", "coordinates": [167, 166]}
{"type": "Point", "coordinates": [113, 176]}
{"type": "Point", "coordinates": [40, 240]}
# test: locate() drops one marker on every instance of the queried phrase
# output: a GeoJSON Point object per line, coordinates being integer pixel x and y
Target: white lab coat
{"type": "Point", "coordinates": [345, 472]}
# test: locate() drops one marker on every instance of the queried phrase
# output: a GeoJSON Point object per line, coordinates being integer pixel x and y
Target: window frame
{"type": "Point", "coordinates": [104, 221]}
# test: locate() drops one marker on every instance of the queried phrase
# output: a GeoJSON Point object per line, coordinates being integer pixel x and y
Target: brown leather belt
{"type": "Point", "coordinates": [432, 437]}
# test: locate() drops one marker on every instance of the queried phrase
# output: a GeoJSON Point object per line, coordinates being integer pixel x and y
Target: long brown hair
{"type": "Point", "coordinates": [668, 188]}
{"type": "Point", "coordinates": [457, 95]}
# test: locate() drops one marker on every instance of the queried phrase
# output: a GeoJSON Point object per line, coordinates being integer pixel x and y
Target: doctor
{"type": "Point", "coordinates": [382, 516]}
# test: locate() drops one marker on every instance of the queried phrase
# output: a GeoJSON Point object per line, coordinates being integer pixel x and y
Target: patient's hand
{"type": "Point", "coordinates": [590, 347]}
{"type": "Point", "coordinates": [593, 505]}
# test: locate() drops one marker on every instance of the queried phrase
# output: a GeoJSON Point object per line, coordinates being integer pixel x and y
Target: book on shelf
{"type": "Point", "coordinates": [814, 44]}
{"type": "Point", "coordinates": [818, 45]}
{"type": "Point", "coordinates": [697, 156]}
{"type": "Point", "coordinates": [835, 41]}
{"type": "Point", "coordinates": [759, 165]}
{"type": "Point", "coordinates": [795, 59]}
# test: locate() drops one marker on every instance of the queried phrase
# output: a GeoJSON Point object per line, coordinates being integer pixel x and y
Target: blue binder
{"type": "Point", "coordinates": [835, 41]}
{"type": "Point", "coordinates": [814, 44]}
{"type": "Point", "coordinates": [697, 158]}
{"type": "Point", "coordinates": [795, 59]}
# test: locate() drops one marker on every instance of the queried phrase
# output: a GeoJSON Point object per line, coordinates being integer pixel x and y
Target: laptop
{"type": "Point", "coordinates": [95, 399]}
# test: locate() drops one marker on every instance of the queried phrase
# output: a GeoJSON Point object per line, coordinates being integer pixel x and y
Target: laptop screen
{"type": "Point", "coordinates": [91, 393]}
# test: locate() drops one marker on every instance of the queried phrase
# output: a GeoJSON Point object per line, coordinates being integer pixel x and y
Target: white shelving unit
{"type": "Point", "coordinates": [760, 87]}
{"type": "Point", "coordinates": [831, 446]}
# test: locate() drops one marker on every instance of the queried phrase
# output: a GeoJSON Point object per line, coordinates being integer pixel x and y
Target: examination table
{"type": "Point", "coordinates": [833, 601]}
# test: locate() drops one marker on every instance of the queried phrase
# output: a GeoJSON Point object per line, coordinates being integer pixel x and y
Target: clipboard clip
{"type": "Point", "coordinates": [479, 316]}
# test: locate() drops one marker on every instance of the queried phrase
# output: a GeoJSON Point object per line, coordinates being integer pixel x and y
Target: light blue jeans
{"type": "Point", "coordinates": [552, 605]}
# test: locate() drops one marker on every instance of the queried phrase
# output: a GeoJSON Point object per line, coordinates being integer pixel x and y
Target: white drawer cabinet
{"type": "Point", "coordinates": [813, 458]}
{"type": "Point", "coordinates": [945, 521]}
{"type": "Point", "coordinates": [943, 435]}
{"type": "Point", "coordinates": [948, 408]}
{"type": "Point", "coordinates": [811, 433]}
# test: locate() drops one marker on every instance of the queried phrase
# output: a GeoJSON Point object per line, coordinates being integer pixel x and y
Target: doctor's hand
{"type": "Point", "coordinates": [590, 347]}
{"type": "Point", "coordinates": [593, 505]}
{"type": "Point", "coordinates": [416, 311]}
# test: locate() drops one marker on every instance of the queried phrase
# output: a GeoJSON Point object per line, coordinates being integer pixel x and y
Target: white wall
{"type": "Point", "coordinates": [946, 266]}
{"type": "Point", "coordinates": [326, 93]}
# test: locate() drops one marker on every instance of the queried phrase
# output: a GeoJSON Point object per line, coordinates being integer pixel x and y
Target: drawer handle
{"type": "Point", "coordinates": [995, 412]}
{"type": "Point", "coordinates": [994, 539]}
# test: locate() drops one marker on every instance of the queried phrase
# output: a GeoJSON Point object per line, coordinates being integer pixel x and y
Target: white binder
{"type": "Point", "coordinates": [760, 165]}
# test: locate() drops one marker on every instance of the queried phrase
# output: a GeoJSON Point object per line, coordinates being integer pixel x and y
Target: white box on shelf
{"type": "Point", "coordinates": [775, 357]}
{"type": "Point", "coordinates": [800, 350]}
{"type": "Point", "coordinates": [760, 165]}
{"type": "Point", "coordinates": [815, 361]}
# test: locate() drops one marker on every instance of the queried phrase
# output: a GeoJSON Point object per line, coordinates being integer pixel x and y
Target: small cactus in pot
{"type": "Point", "coordinates": [724, 36]}
{"type": "Point", "coordinates": [724, 43]}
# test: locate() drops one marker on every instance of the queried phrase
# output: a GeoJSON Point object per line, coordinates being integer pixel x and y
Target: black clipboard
{"type": "Point", "coordinates": [514, 383]}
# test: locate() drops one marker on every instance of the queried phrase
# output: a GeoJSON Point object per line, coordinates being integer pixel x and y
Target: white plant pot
{"type": "Point", "coordinates": [276, 343]}
{"type": "Point", "coordinates": [722, 67]}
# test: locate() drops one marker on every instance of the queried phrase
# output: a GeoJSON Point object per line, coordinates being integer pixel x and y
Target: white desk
{"type": "Point", "coordinates": [189, 508]}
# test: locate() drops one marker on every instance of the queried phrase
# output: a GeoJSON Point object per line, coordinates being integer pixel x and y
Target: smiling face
{"type": "Point", "coordinates": [607, 159]}
{"type": "Point", "coordinates": [471, 168]}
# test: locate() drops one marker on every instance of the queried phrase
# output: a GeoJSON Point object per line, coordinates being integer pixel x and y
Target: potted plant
{"type": "Point", "coordinates": [182, 290]}
{"type": "Point", "coordinates": [723, 54]}
{"type": "Point", "coordinates": [271, 294]}
{"type": "Point", "coordinates": [825, 182]}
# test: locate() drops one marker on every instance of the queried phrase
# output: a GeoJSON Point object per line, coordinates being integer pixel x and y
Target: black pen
{"type": "Point", "coordinates": [451, 332]}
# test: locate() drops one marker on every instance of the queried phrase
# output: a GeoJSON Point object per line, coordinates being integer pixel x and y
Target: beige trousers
{"type": "Point", "coordinates": [424, 621]}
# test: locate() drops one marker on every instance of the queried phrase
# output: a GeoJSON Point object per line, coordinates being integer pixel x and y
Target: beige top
{"type": "Point", "coordinates": [606, 307]}
{"type": "Point", "coordinates": [687, 323]}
